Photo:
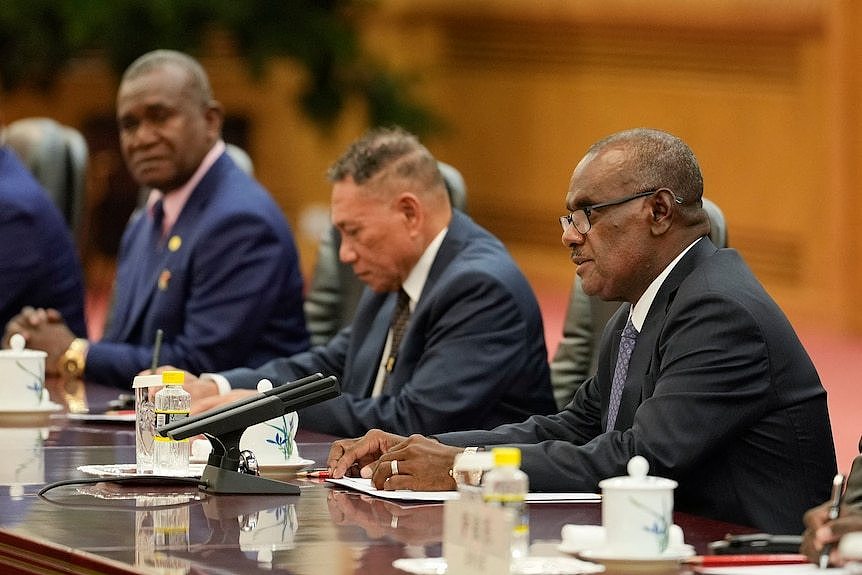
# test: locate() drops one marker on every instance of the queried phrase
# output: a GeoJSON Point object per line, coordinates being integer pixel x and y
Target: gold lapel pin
{"type": "Point", "coordinates": [164, 279]}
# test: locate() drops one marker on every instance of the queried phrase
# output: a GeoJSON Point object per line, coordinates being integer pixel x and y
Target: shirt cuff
{"type": "Point", "coordinates": [220, 380]}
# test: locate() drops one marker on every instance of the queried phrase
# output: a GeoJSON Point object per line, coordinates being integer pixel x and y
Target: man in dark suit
{"type": "Point", "coordinates": [38, 262]}
{"type": "Point", "coordinates": [473, 351]}
{"type": "Point", "coordinates": [718, 394]}
{"type": "Point", "coordinates": [211, 260]}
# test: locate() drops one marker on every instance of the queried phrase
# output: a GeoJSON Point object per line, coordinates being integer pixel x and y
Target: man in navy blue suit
{"type": "Point", "coordinates": [472, 353]}
{"type": "Point", "coordinates": [210, 260]}
{"type": "Point", "coordinates": [38, 262]}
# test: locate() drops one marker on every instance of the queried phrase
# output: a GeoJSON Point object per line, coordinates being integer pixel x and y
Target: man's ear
{"type": "Point", "coordinates": [662, 206]}
{"type": "Point", "coordinates": [214, 117]}
{"type": "Point", "coordinates": [408, 204]}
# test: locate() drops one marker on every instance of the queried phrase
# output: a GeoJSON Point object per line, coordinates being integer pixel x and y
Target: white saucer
{"type": "Point", "coordinates": [525, 566]}
{"type": "Point", "coordinates": [129, 470]}
{"type": "Point", "coordinates": [669, 559]}
{"type": "Point", "coordinates": [421, 565]}
{"type": "Point", "coordinates": [292, 465]}
{"type": "Point", "coordinates": [47, 407]}
{"type": "Point", "coordinates": [124, 417]}
{"type": "Point", "coordinates": [26, 416]}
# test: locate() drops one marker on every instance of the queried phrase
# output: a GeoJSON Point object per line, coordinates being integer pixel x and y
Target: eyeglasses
{"type": "Point", "coordinates": [580, 218]}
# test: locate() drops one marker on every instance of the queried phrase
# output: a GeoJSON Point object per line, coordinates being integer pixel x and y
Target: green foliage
{"type": "Point", "coordinates": [39, 37]}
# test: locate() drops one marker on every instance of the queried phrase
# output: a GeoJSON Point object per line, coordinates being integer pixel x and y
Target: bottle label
{"type": "Point", "coordinates": [166, 417]}
{"type": "Point", "coordinates": [504, 498]}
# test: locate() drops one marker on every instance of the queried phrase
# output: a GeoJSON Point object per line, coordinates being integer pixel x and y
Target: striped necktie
{"type": "Point", "coordinates": [627, 345]}
{"type": "Point", "coordinates": [398, 326]}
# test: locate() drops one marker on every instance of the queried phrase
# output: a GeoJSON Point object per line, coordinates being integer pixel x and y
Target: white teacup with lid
{"type": "Point", "coordinates": [637, 512]}
{"type": "Point", "coordinates": [273, 442]}
{"type": "Point", "coordinates": [22, 373]}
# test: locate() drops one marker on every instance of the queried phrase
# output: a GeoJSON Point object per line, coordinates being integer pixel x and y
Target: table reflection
{"type": "Point", "coordinates": [413, 525]}
{"type": "Point", "coordinates": [122, 528]}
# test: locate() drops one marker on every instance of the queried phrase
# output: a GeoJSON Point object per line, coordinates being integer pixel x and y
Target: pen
{"type": "Point", "coordinates": [320, 473]}
{"type": "Point", "coordinates": [740, 560]}
{"type": "Point", "coordinates": [157, 348]}
{"type": "Point", "coordinates": [834, 509]}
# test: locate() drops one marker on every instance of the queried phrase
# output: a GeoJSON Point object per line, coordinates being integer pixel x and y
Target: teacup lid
{"type": "Point", "coordinates": [638, 467]}
{"type": "Point", "coordinates": [17, 351]}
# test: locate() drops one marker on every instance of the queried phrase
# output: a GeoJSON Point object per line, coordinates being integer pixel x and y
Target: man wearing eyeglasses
{"type": "Point", "coordinates": [699, 371]}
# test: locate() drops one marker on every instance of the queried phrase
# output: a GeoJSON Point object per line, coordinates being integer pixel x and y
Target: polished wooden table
{"type": "Point", "coordinates": [112, 528]}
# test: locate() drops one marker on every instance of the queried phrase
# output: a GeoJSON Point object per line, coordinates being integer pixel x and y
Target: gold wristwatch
{"type": "Point", "coordinates": [468, 470]}
{"type": "Point", "coordinates": [74, 359]}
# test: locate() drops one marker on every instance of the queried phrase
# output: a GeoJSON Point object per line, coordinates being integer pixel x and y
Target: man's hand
{"type": "Point", "coordinates": [211, 401]}
{"type": "Point", "coordinates": [30, 318]}
{"type": "Point", "coordinates": [43, 329]}
{"type": "Point", "coordinates": [820, 531]}
{"type": "Point", "coordinates": [350, 454]}
{"type": "Point", "coordinates": [423, 464]}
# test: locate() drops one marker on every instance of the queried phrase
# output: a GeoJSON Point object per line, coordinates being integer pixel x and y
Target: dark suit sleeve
{"type": "Point", "coordinates": [328, 360]}
{"type": "Point", "coordinates": [712, 383]}
{"type": "Point", "coordinates": [234, 285]}
{"type": "Point", "coordinates": [38, 263]}
{"type": "Point", "coordinates": [471, 347]}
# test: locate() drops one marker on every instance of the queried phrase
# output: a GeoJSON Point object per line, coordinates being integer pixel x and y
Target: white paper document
{"type": "Point", "coordinates": [364, 485]}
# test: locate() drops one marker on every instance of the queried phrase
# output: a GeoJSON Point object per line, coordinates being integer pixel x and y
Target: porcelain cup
{"type": "Point", "coordinates": [22, 373]}
{"type": "Point", "coordinates": [273, 442]}
{"type": "Point", "coordinates": [637, 512]}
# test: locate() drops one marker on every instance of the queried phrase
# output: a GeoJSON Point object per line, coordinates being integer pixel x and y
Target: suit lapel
{"type": "Point", "coordinates": [378, 312]}
{"type": "Point", "coordinates": [145, 269]}
{"type": "Point", "coordinates": [369, 342]}
{"type": "Point", "coordinates": [639, 383]}
{"type": "Point", "coordinates": [147, 266]}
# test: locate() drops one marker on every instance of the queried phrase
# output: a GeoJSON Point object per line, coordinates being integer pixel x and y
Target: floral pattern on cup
{"type": "Point", "coordinates": [660, 526]}
{"type": "Point", "coordinates": [38, 375]}
{"type": "Point", "coordinates": [284, 434]}
{"type": "Point", "coordinates": [273, 441]}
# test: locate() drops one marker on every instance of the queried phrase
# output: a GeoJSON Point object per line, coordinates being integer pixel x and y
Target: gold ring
{"type": "Point", "coordinates": [393, 465]}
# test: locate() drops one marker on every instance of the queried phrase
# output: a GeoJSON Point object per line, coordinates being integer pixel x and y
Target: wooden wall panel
{"type": "Point", "coordinates": [526, 96]}
{"type": "Point", "coordinates": [766, 92]}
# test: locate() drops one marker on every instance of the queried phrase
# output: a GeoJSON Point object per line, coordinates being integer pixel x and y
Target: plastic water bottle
{"type": "Point", "coordinates": [507, 486]}
{"type": "Point", "coordinates": [172, 402]}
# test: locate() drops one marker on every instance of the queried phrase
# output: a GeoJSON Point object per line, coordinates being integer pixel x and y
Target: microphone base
{"type": "Point", "coordinates": [217, 480]}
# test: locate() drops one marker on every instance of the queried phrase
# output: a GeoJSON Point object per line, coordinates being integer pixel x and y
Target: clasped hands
{"type": "Point", "coordinates": [43, 329]}
{"type": "Point", "coordinates": [422, 464]}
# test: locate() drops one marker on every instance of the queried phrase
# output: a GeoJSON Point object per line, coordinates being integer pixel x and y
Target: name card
{"type": "Point", "coordinates": [477, 538]}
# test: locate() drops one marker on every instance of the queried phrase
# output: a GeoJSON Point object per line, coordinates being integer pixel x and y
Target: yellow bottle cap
{"type": "Point", "coordinates": [173, 377]}
{"type": "Point", "coordinates": [507, 456]}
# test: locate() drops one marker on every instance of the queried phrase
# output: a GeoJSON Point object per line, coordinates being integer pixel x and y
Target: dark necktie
{"type": "Point", "coordinates": [157, 212]}
{"type": "Point", "coordinates": [627, 346]}
{"type": "Point", "coordinates": [398, 326]}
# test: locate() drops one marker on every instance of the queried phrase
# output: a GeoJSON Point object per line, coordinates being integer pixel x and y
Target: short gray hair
{"type": "Point", "coordinates": [658, 159]}
{"type": "Point", "coordinates": [198, 81]}
{"type": "Point", "coordinates": [383, 148]}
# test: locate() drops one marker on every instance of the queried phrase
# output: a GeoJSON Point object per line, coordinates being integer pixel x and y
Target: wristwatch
{"type": "Point", "coordinates": [468, 470]}
{"type": "Point", "coordinates": [74, 359]}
